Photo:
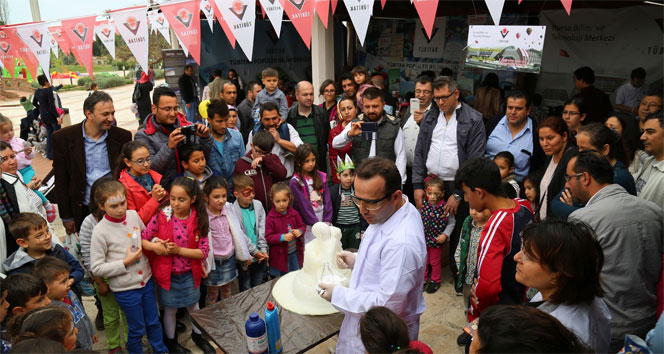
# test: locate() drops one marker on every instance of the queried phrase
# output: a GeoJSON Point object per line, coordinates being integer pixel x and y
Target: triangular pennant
{"type": "Point", "coordinates": [133, 27]}
{"type": "Point", "coordinates": [495, 9]}
{"type": "Point", "coordinates": [81, 33]}
{"type": "Point", "coordinates": [161, 24]}
{"type": "Point", "coordinates": [519, 3]}
{"type": "Point", "coordinates": [184, 49]}
{"type": "Point", "coordinates": [223, 23]}
{"type": "Point", "coordinates": [426, 9]}
{"type": "Point", "coordinates": [63, 42]}
{"type": "Point", "coordinates": [323, 10]}
{"type": "Point", "coordinates": [301, 14]}
{"type": "Point", "coordinates": [106, 33]}
{"type": "Point", "coordinates": [206, 7]}
{"type": "Point", "coordinates": [334, 5]}
{"type": "Point", "coordinates": [54, 45]}
{"type": "Point", "coordinates": [186, 23]}
{"type": "Point", "coordinates": [35, 36]}
{"type": "Point", "coordinates": [8, 53]}
{"type": "Point", "coordinates": [275, 12]}
{"type": "Point", "coordinates": [360, 12]}
{"type": "Point", "coordinates": [382, 4]}
{"type": "Point", "coordinates": [567, 4]}
{"type": "Point", "coordinates": [151, 15]}
{"type": "Point", "coordinates": [21, 51]}
{"type": "Point", "coordinates": [241, 18]}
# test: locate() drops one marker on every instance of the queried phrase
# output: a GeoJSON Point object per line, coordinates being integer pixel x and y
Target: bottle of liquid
{"type": "Point", "coordinates": [273, 329]}
{"type": "Point", "coordinates": [256, 334]}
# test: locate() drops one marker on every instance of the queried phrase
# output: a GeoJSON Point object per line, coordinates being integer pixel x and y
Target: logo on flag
{"type": "Point", "coordinates": [106, 32]}
{"type": "Point", "coordinates": [132, 24]}
{"type": "Point", "coordinates": [4, 46]}
{"type": "Point", "coordinates": [80, 31]}
{"type": "Point", "coordinates": [37, 37]}
{"type": "Point", "coordinates": [208, 7]}
{"type": "Point", "coordinates": [271, 1]}
{"type": "Point", "coordinates": [298, 4]}
{"type": "Point", "coordinates": [3, 35]}
{"type": "Point", "coordinates": [160, 20]}
{"type": "Point", "coordinates": [238, 9]}
{"type": "Point", "coordinates": [504, 32]}
{"type": "Point", "coordinates": [184, 16]}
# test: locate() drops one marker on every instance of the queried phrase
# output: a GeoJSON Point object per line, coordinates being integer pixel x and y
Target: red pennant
{"type": "Point", "coordinates": [301, 14]}
{"type": "Point", "coordinates": [567, 4]}
{"type": "Point", "coordinates": [262, 9]}
{"type": "Point", "coordinates": [63, 42]}
{"type": "Point", "coordinates": [323, 10]}
{"type": "Point", "coordinates": [519, 2]}
{"type": "Point", "coordinates": [382, 4]}
{"type": "Point", "coordinates": [21, 51]}
{"type": "Point", "coordinates": [426, 9]}
{"type": "Point", "coordinates": [81, 33]}
{"type": "Point", "coordinates": [222, 22]}
{"type": "Point", "coordinates": [8, 51]}
{"type": "Point", "coordinates": [185, 20]}
{"type": "Point", "coordinates": [334, 5]}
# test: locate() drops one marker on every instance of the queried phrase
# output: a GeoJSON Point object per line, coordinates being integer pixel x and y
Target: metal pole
{"type": "Point", "coordinates": [34, 8]}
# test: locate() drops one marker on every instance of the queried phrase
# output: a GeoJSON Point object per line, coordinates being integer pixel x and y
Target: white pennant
{"type": "Point", "coordinates": [54, 45]}
{"type": "Point", "coordinates": [35, 36]}
{"type": "Point", "coordinates": [106, 34]}
{"type": "Point", "coordinates": [495, 9]}
{"type": "Point", "coordinates": [241, 18]}
{"type": "Point", "coordinates": [208, 12]}
{"type": "Point", "coordinates": [162, 25]}
{"type": "Point", "coordinates": [133, 27]}
{"type": "Point", "coordinates": [183, 47]}
{"type": "Point", "coordinates": [274, 12]}
{"type": "Point", "coordinates": [151, 16]}
{"type": "Point", "coordinates": [360, 12]}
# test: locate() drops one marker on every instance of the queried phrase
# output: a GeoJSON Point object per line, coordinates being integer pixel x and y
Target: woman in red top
{"type": "Point", "coordinates": [346, 112]}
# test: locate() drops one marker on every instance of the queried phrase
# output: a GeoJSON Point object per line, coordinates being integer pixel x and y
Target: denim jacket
{"type": "Point", "coordinates": [222, 160]}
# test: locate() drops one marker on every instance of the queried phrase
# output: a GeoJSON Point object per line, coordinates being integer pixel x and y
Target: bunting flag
{"type": "Point", "coordinates": [20, 51]}
{"type": "Point", "coordinates": [323, 10]}
{"type": "Point", "coordinates": [161, 24]}
{"type": "Point", "coordinates": [186, 23]}
{"type": "Point", "coordinates": [106, 33]}
{"type": "Point", "coordinates": [80, 33]}
{"type": "Point", "coordinates": [151, 20]}
{"type": "Point", "coordinates": [63, 43]}
{"type": "Point", "coordinates": [224, 25]}
{"type": "Point", "coordinates": [54, 45]}
{"type": "Point", "coordinates": [8, 53]}
{"type": "Point", "coordinates": [382, 4]}
{"type": "Point", "coordinates": [35, 36]}
{"type": "Point", "coordinates": [133, 27]}
{"type": "Point", "coordinates": [209, 14]}
{"type": "Point", "coordinates": [184, 49]}
{"type": "Point", "coordinates": [495, 9]}
{"type": "Point", "coordinates": [241, 18]}
{"type": "Point", "coordinates": [519, 2]}
{"type": "Point", "coordinates": [426, 9]}
{"type": "Point", "coordinates": [567, 4]}
{"type": "Point", "coordinates": [275, 12]}
{"type": "Point", "coordinates": [360, 12]}
{"type": "Point", "coordinates": [334, 5]}
{"type": "Point", "coordinates": [301, 14]}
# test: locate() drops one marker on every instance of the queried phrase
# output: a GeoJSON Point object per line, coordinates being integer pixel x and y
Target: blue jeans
{"type": "Point", "coordinates": [50, 129]}
{"type": "Point", "coordinates": [140, 307]}
{"type": "Point", "coordinates": [191, 112]}
{"type": "Point", "coordinates": [293, 264]}
{"type": "Point", "coordinates": [252, 276]}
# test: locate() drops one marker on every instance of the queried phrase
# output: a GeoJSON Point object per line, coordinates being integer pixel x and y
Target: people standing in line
{"type": "Point", "coordinates": [311, 122]}
{"type": "Point", "coordinates": [189, 93]}
{"type": "Point", "coordinates": [44, 102]}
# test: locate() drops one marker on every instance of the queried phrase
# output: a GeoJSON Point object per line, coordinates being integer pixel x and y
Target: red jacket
{"type": "Point", "coordinates": [337, 152]}
{"type": "Point", "coordinates": [138, 198]}
{"type": "Point", "coordinates": [269, 171]}
{"type": "Point", "coordinates": [276, 224]}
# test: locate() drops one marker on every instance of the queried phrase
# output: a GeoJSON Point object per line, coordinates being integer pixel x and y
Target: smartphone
{"type": "Point", "coordinates": [414, 105]}
{"type": "Point", "coordinates": [369, 129]}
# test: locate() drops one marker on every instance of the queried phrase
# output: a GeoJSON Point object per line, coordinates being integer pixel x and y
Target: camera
{"type": "Point", "coordinates": [189, 132]}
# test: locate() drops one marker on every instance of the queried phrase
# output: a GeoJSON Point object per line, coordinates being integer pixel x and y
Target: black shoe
{"type": "Point", "coordinates": [201, 343]}
{"type": "Point", "coordinates": [180, 327]}
{"type": "Point", "coordinates": [426, 283]}
{"type": "Point", "coordinates": [432, 287]}
{"type": "Point", "coordinates": [464, 338]}
{"type": "Point", "coordinates": [99, 321]}
{"type": "Point", "coordinates": [174, 347]}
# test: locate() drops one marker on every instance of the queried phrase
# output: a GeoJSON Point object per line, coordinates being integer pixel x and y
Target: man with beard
{"type": "Point", "coordinates": [348, 85]}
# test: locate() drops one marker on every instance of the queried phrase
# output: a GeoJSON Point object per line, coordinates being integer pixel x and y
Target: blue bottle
{"type": "Point", "coordinates": [256, 334]}
{"type": "Point", "coordinates": [273, 329]}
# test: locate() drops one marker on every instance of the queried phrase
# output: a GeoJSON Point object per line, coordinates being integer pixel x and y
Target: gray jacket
{"type": "Point", "coordinates": [471, 139]}
{"type": "Point", "coordinates": [630, 231]}
{"type": "Point", "coordinates": [259, 229]}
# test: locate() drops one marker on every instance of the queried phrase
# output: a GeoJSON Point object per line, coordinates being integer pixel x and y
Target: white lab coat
{"type": "Point", "coordinates": [388, 271]}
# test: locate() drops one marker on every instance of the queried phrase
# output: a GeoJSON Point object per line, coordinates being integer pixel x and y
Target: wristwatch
{"type": "Point", "coordinates": [457, 197]}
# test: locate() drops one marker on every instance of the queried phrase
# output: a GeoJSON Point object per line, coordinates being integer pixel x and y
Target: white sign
{"type": "Point", "coordinates": [515, 48]}
{"type": "Point", "coordinates": [106, 33]}
{"type": "Point", "coordinates": [133, 27]}
{"type": "Point", "coordinates": [430, 48]}
{"type": "Point", "coordinates": [241, 18]}
{"type": "Point", "coordinates": [495, 9]}
{"type": "Point", "coordinates": [274, 12]}
{"type": "Point", "coordinates": [206, 7]}
{"type": "Point", "coordinates": [54, 45]}
{"type": "Point", "coordinates": [36, 37]}
{"type": "Point", "coordinates": [360, 12]}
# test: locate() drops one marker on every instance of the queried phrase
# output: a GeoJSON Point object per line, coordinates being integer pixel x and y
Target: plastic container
{"type": "Point", "coordinates": [273, 328]}
{"type": "Point", "coordinates": [256, 334]}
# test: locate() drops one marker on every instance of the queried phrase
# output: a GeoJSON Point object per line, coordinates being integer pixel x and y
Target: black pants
{"type": "Point", "coordinates": [461, 215]}
{"type": "Point", "coordinates": [408, 187]}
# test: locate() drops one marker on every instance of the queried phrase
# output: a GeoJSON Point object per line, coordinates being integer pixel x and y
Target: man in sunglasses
{"type": "Point", "coordinates": [388, 268]}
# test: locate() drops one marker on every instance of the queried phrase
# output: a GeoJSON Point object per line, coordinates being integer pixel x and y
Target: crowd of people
{"type": "Point", "coordinates": [552, 225]}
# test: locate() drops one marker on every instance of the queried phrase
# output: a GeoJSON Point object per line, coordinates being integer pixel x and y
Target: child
{"type": "Point", "coordinates": [310, 193]}
{"type": "Point", "coordinates": [116, 253]}
{"type": "Point", "coordinates": [270, 78]}
{"type": "Point", "coordinates": [262, 166]}
{"type": "Point", "coordinates": [251, 215]}
{"type": "Point", "coordinates": [54, 323]}
{"type": "Point", "coordinates": [383, 331]}
{"type": "Point", "coordinates": [531, 190]}
{"type": "Point", "coordinates": [25, 292]}
{"type": "Point", "coordinates": [181, 229]}
{"type": "Point", "coordinates": [111, 313]}
{"type": "Point", "coordinates": [33, 236]}
{"type": "Point", "coordinates": [39, 345]}
{"type": "Point", "coordinates": [144, 193]}
{"type": "Point", "coordinates": [55, 274]}
{"type": "Point", "coordinates": [361, 79]}
{"type": "Point", "coordinates": [192, 158]}
{"type": "Point", "coordinates": [505, 162]}
{"type": "Point", "coordinates": [232, 118]}
{"type": "Point", "coordinates": [438, 226]}
{"type": "Point", "coordinates": [345, 214]}
{"type": "Point", "coordinates": [283, 231]}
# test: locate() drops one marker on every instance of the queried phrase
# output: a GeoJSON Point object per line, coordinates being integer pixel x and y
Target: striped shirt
{"type": "Point", "coordinates": [348, 213]}
{"type": "Point", "coordinates": [305, 127]}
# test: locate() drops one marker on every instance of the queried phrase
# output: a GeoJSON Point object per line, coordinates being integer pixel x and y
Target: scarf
{"type": "Point", "coordinates": [6, 208]}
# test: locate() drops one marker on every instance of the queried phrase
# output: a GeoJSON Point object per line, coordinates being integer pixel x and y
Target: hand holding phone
{"type": "Point", "coordinates": [369, 130]}
{"type": "Point", "coordinates": [414, 105]}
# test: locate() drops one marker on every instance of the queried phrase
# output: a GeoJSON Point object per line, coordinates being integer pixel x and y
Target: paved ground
{"type": "Point", "coordinates": [440, 324]}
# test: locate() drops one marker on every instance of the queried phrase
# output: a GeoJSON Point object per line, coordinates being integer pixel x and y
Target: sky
{"type": "Point", "coordinates": [53, 10]}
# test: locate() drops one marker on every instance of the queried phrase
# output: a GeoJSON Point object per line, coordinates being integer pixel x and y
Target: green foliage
{"type": "Point", "coordinates": [104, 81]}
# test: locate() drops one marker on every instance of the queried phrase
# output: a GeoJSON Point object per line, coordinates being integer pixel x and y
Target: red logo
{"type": "Point", "coordinates": [80, 31]}
{"type": "Point", "coordinates": [238, 9]}
{"type": "Point", "coordinates": [132, 24]}
{"type": "Point", "coordinates": [298, 4]}
{"type": "Point", "coordinates": [106, 32]}
{"type": "Point", "coordinates": [4, 46]}
{"type": "Point", "coordinates": [160, 20]}
{"type": "Point", "coordinates": [37, 37]}
{"type": "Point", "coordinates": [504, 32]}
{"type": "Point", "coordinates": [184, 17]}
{"type": "Point", "coordinates": [3, 35]}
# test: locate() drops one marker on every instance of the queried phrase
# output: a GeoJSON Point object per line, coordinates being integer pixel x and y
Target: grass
{"type": "Point", "coordinates": [81, 69]}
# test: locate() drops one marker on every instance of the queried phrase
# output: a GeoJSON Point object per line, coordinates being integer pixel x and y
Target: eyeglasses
{"type": "Point", "coordinates": [369, 204]}
{"type": "Point", "coordinates": [443, 98]}
{"type": "Point", "coordinates": [330, 91]}
{"type": "Point", "coordinates": [649, 104]}
{"type": "Point", "coordinates": [4, 159]}
{"type": "Point", "coordinates": [42, 236]}
{"type": "Point", "coordinates": [571, 113]}
{"type": "Point", "coordinates": [420, 92]}
{"type": "Point", "coordinates": [568, 178]}
{"type": "Point", "coordinates": [144, 161]}
{"type": "Point", "coordinates": [169, 109]}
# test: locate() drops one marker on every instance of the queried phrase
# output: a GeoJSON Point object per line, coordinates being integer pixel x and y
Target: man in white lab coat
{"type": "Point", "coordinates": [388, 269]}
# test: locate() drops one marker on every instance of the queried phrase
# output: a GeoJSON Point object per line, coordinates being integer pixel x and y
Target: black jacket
{"type": "Point", "coordinates": [322, 127]}
{"type": "Point", "coordinates": [44, 101]}
{"type": "Point", "coordinates": [187, 87]}
{"type": "Point", "coordinates": [335, 195]}
{"type": "Point", "coordinates": [12, 246]}
{"type": "Point", "coordinates": [558, 180]}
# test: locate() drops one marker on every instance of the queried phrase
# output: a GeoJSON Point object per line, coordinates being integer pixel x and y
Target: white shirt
{"type": "Point", "coordinates": [341, 140]}
{"type": "Point", "coordinates": [544, 186]}
{"type": "Point", "coordinates": [443, 157]}
{"type": "Point", "coordinates": [388, 272]}
{"type": "Point", "coordinates": [410, 132]}
{"type": "Point", "coordinates": [286, 157]}
{"type": "Point", "coordinates": [629, 95]}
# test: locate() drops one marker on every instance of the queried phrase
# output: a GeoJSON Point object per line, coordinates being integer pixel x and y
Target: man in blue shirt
{"type": "Point", "coordinates": [228, 145]}
{"type": "Point", "coordinates": [515, 133]}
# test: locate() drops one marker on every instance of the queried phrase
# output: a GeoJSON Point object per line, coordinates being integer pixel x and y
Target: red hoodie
{"type": "Point", "coordinates": [268, 172]}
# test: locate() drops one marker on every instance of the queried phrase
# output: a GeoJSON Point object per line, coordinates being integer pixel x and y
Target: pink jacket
{"type": "Point", "coordinates": [22, 159]}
